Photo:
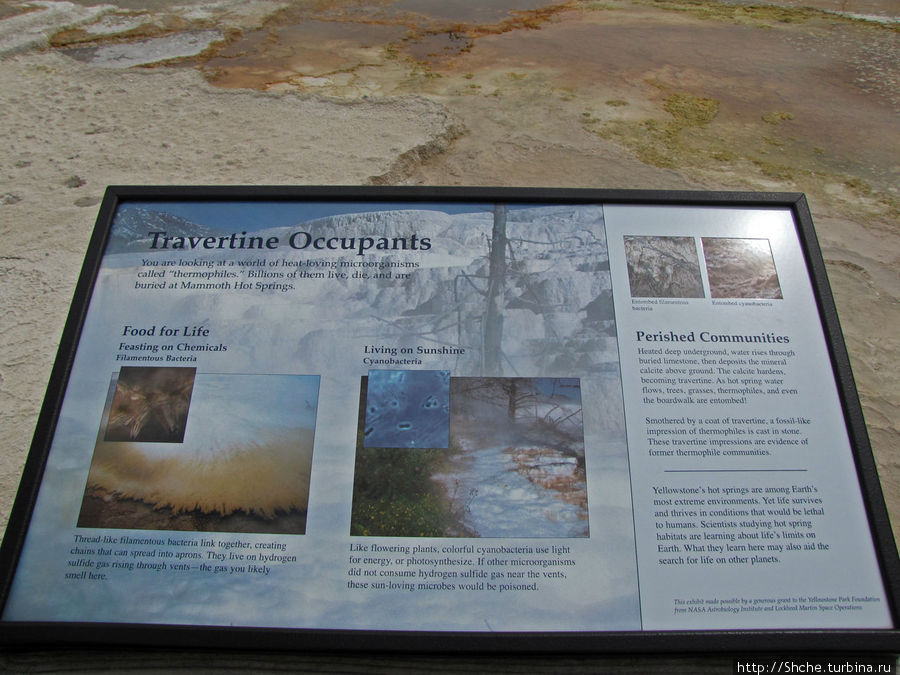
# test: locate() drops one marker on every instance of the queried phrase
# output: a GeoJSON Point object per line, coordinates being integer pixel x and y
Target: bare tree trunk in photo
{"type": "Point", "coordinates": [493, 319]}
{"type": "Point", "coordinates": [513, 403]}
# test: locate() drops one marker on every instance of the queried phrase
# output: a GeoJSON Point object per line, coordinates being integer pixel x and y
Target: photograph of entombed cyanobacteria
{"type": "Point", "coordinates": [740, 268]}
{"type": "Point", "coordinates": [243, 464]}
{"type": "Point", "coordinates": [663, 267]}
{"type": "Point", "coordinates": [407, 409]}
{"type": "Point", "coordinates": [514, 467]}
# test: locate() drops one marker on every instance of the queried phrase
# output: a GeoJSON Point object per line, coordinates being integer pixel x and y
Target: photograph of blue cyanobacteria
{"type": "Point", "coordinates": [408, 409]}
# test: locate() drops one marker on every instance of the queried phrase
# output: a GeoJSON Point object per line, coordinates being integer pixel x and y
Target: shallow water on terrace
{"type": "Point", "coordinates": [469, 12]}
{"type": "Point", "coordinates": [141, 52]}
{"type": "Point", "coordinates": [308, 49]}
{"type": "Point", "coordinates": [433, 48]}
{"type": "Point", "coordinates": [837, 89]}
{"type": "Point", "coordinates": [501, 501]}
{"type": "Point", "coordinates": [327, 38]}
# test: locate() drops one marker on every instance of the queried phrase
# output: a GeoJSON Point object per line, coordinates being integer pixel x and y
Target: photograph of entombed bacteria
{"type": "Point", "coordinates": [663, 267]}
{"type": "Point", "coordinates": [740, 268]}
{"type": "Point", "coordinates": [513, 466]}
{"type": "Point", "coordinates": [243, 464]}
{"type": "Point", "coordinates": [408, 409]}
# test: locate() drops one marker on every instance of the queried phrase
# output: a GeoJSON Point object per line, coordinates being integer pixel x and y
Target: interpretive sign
{"type": "Point", "coordinates": [423, 418]}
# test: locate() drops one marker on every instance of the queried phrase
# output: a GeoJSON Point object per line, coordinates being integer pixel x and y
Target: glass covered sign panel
{"type": "Point", "coordinates": [338, 412]}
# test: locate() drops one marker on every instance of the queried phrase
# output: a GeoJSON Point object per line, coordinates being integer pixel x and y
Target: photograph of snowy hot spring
{"type": "Point", "coordinates": [180, 450]}
{"type": "Point", "coordinates": [441, 456]}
